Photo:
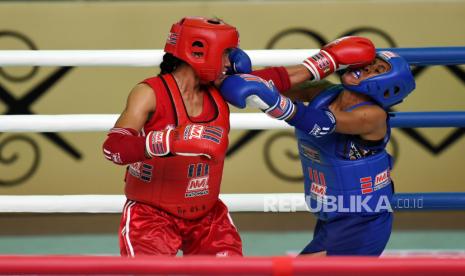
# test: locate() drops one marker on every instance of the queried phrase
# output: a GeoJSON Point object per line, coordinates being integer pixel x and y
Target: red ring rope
{"type": "Point", "coordinates": [346, 266]}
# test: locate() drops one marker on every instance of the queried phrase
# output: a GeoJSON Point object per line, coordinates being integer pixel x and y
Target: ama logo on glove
{"type": "Point", "coordinates": [281, 109]}
{"type": "Point", "coordinates": [248, 77]}
{"type": "Point", "coordinates": [210, 133]}
{"type": "Point", "coordinates": [322, 62]}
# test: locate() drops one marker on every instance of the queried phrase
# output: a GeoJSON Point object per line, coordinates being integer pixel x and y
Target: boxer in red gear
{"type": "Point", "coordinates": [173, 134]}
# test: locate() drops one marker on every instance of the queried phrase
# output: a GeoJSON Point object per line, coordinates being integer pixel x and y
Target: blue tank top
{"type": "Point", "coordinates": [343, 173]}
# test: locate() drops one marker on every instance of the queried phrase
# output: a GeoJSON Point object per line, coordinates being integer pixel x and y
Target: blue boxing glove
{"type": "Point", "coordinates": [248, 90]}
{"type": "Point", "coordinates": [314, 121]}
{"type": "Point", "coordinates": [240, 62]}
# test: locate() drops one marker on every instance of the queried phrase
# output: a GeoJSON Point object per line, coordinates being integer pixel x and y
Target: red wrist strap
{"type": "Point", "coordinates": [124, 146]}
{"type": "Point", "coordinates": [278, 75]}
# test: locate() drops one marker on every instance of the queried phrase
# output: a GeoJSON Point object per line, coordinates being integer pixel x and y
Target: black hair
{"type": "Point", "coordinates": [169, 63]}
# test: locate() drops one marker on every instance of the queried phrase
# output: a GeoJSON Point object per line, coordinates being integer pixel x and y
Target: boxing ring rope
{"type": "Point", "coordinates": [277, 202]}
{"type": "Point", "coordinates": [103, 122]}
{"type": "Point", "coordinates": [241, 121]}
{"type": "Point", "coordinates": [282, 266]}
{"type": "Point", "coordinates": [143, 58]}
{"type": "Point", "coordinates": [449, 265]}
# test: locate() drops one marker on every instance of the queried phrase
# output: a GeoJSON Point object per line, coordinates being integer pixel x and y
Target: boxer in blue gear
{"type": "Point", "coordinates": [347, 168]}
{"type": "Point", "coordinates": [342, 135]}
{"type": "Point", "coordinates": [353, 161]}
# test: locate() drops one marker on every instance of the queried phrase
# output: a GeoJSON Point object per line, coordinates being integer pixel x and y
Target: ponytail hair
{"type": "Point", "coordinates": [169, 63]}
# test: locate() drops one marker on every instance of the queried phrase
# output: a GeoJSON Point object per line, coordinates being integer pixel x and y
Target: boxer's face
{"type": "Point", "coordinates": [354, 77]}
{"type": "Point", "coordinates": [225, 64]}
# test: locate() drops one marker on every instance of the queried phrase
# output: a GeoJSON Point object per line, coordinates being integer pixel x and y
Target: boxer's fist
{"type": "Point", "coordinates": [240, 62]}
{"type": "Point", "coordinates": [188, 140]}
{"type": "Point", "coordinates": [158, 142]}
{"type": "Point", "coordinates": [349, 51]}
{"type": "Point", "coordinates": [248, 90]}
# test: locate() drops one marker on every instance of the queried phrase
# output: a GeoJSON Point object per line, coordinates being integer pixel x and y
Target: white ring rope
{"type": "Point", "coordinates": [103, 122]}
{"type": "Point", "coordinates": [240, 121]}
{"type": "Point", "coordinates": [133, 58]}
{"type": "Point", "coordinates": [289, 202]}
{"type": "Point", "coordinates": [283, 202]}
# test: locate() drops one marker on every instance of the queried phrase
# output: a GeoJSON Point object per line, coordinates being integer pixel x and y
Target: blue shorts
{"type": "Point", "coordinates": [352, 235]}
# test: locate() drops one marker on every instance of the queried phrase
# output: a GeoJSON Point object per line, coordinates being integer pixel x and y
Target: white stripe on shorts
{"type": "Point", "coordinates": [127, 213]}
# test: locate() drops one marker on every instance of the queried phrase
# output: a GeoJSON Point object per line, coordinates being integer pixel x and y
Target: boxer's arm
{"type": "Point", "coordinates": [317, 122]}
{"type": "Point", "coordinates": [308, 90]}
{"type": "Point", "coordinates": [290, 83]}
{"type": "Point", "coordinates": [123, 144]}
{"type": "Point", "coordinates": [140, 103]}
{"type": "Point", "coordinates": [298, 74]}
{"type": "Point", "coordinates": [279, 76]}
{"type": "Point", "coordinates": [369, 121]}
{"type": "Point", "coordinates": [352, 52]}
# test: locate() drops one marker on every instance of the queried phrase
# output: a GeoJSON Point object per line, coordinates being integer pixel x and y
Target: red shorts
{"type": "Point", "coordinates": [146, 230]}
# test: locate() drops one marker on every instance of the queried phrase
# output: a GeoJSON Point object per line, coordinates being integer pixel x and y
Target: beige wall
{"type": "Point", "coordinates": [144, 25]}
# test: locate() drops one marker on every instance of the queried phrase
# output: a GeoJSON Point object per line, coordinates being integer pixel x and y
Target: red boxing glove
{"type": "Point", "coordinates": [124, 146]}
{"type": "Point", "coordinates": [188, 140]}
{"type": "Point", "coordinates": [349, 51]}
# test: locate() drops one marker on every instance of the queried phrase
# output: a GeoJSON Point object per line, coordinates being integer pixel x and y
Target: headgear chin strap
{"type": "Point", "coordinates": [390, 88]}
{"type": "Point", "coordinates": [201, 42]}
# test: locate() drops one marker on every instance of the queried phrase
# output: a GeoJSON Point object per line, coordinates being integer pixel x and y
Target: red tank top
{"type": "Point", "coordinates": [187, 187]}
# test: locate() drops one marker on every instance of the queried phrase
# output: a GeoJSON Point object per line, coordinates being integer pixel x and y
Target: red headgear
{"type": "Point", "coordinates": [201, 42]}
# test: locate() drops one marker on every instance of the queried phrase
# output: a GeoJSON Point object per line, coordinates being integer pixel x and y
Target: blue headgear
{"type": "Point", "coordinates": [389, 88]}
